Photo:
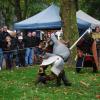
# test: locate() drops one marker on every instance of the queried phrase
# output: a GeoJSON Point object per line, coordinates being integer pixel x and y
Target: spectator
{"type": "Point", "coordinates": [1, 52]}
{"type": "Point", "coordinates": [21, 51]}
{"type": "Point", "coordinates": [35, 39]}
{"type": "Point", "coordinates": [35, 44]}
{"type": "Point", "coordinates": [1, 29]}
{"type": "Point", "coordinates": [96, 34]}
{"type": "Point", "coordinates": [15, 52]}
{"type": "Point", "coordinates": [39, 52]}
{"type": "Point", "coordinates": [87, 55]}
{"type": "Point", "coordinates": [8, 54]}
{"type": "Point", "coordinates": [29, 50]}
{"type": "Point", "coordinates": [96, 37]}
{"type": "Point", "coordinates": [5, 33]}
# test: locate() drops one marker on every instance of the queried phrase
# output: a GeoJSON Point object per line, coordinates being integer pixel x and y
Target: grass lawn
{"type": "Point", "coordinates": [19, 85]}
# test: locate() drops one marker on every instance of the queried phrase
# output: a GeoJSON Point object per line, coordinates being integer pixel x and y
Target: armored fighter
{"type": "Point", "coordinates": [60, 54]}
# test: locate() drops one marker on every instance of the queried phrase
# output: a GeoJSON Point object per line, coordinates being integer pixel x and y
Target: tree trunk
{"type": "Point", "coordinates": [18, 10]}
{"type": "Point", "coordinates": [68, 15]}
{"type": "Point", "coordinates": [77, 5]}
{"type": "Point", "coordinates": [26, 8]}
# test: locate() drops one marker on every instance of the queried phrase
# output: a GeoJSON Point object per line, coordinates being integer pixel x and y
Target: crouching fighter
{"type": "Point", "coordinates": [56, 59]}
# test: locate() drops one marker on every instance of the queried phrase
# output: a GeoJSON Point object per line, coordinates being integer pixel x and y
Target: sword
{"type": "Point", "coordinates": [87, 31]}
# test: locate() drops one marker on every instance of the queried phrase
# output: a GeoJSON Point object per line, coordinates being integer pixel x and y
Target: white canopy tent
{"type": "Point", "coordinates": [82, 15]}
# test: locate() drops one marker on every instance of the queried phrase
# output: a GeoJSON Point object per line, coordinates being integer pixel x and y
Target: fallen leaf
{"type": "Point", "coordinates": [85, 84]}
{"type": "Point", "coordinates": [65, 93]}
{"type": "Point", "coordinates": [94, 79]}
{"type": "Point", "coordinates": [79, 93]}
{"type": "Point", "coordinates": [97, 74]}
{"type": "Point", "coordinates": [98, 96]}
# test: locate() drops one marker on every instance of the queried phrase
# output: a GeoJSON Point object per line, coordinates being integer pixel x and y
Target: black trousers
{"type": "Point", "coordinates": [9, 60]}
{"type": "Point", "coordinates": [62, 77]}
{"type": "Point", "coordinates": [21, 57]}
{"type": "Point", "coordinates": [85, 64]}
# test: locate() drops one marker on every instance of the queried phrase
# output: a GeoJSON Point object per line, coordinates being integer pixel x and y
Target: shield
{"type": "Point", "coordinates": [58, 66]}
{"type": "Point", "coordinates": [49, 61]}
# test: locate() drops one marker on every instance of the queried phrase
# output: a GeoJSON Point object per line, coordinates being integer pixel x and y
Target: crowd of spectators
{"type": "Point", "coordinates": [88, 51]}
{"type": "Point", "coordinates": [18, 50]}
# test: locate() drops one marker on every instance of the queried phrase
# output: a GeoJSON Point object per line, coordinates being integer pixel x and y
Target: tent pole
{"type": "Point", "coordinates": [87, 31]}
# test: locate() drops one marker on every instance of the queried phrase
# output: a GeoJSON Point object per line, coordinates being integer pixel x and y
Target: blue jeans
{"type": "Point", "coordinates": [29, 56]}
{"type": "Point", "coordinates": [1, 57]}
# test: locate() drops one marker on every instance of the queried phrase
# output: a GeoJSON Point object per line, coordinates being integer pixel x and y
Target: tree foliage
{"type": "Point", "coordinates": [6, 11]}
{"type": "Point", "coordinates": [68, 14]}
{"type": "Point", "coordinates": [92, 7]}
{"type": "Point", "coordinates": [15, 10]}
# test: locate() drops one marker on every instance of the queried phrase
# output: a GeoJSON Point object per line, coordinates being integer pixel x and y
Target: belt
{"type": "Point", "coordinates": [87, 54]}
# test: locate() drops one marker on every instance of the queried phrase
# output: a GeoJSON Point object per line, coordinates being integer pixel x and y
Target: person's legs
{"type": "Point", "coordinates": [27, 56]}
{"type": "Point", "coordinates": [79, 64]}
{"type": "Point", "coordinates": [31, 53]}
{"type": "Point", "coordinates": [21, 58]}
{"type": "Point", "coordinates": [1, 58]}
{"type": "Point", "coordinates": [98, 53]}
{"type": "Point", "coordinates": [17, 59]}
{"type": "Point", "coordinates": [59, 80]}
{"type": "Point", "coordinates": [8, 59]}
{"type": "Point", "coordinates": [95, 69]}
{"type": "Point", "coordinates": [11, 61]}
{"type": "Point", "coordinates": [35, 56]}
{"type": "Point", "coordinates": [64, 79]}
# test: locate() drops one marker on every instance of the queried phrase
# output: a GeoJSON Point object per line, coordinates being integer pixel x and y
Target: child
{"type": "Point", "coordinates": [21, 51]}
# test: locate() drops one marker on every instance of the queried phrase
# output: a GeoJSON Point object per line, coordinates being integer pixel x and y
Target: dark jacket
{"type": "Point", "coordinates": [7, 48]}
{"type": "Point", "coordinates": [21, 45]}
{"type": "Point", "coordinates": [28, 42]}
{"type": "Point", "coordinates": [21, 49]}
{"type": "Point", "coordinates": [1, 40]}
{"type": "Point", "coordinates": [35, 41]}
{"type": "Point", "coordinates": [4, 34]}
{"type": "Point", "coordinates": [14, 42]}
{"type": "Point", "coordinates": [85, 44]}
{"type": "Point", "coordinates": [31, 41]}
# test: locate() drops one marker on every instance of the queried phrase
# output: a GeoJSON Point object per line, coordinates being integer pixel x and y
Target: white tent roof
{"type": "Point", "coordinates": [82, 15]}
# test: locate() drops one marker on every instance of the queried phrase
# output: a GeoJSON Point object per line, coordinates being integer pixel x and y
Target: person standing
{"type": "Point", "coordinates": [29, 49]}
{"type": "Point", "coordinates": [35, 44]}
{"type": "Point", "coordinates": [96, 37]}
{"type": "Point", "coordinates": [21, 52]}
{"type": "Point", "coordinates": [8, 53]}
{"type": "Point", "coordinates": [1, 52]}
{"type": "Point", "coordinates": [5, 33]}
